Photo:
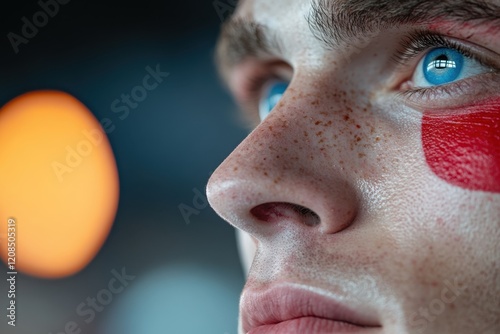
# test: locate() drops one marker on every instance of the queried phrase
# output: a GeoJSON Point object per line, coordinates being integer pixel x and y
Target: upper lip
{"type": "Point", "coordinates": [292, 301]}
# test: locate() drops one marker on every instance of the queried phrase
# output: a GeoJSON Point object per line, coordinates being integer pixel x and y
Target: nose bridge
{"type": "Point", "coordinates": [301, 132]}
{"type": "Point", "coordinates": [288, 159]}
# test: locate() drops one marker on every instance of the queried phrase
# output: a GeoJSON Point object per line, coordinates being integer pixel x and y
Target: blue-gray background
{"type": "Point", "coordinates": [188, 276]}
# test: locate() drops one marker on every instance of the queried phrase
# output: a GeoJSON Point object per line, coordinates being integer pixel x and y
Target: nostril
{"type": "Point", "coordinates": [310, 217]}
{"type": "Point", "coordinates": [274, 212]}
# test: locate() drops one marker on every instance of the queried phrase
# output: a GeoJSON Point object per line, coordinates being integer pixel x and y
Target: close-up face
{"type": "Point", "coordinates": [368, 192]}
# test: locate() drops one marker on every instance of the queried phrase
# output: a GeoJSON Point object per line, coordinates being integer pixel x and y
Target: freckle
{"type": "Point", "coordinates": [277, 157]}
{"type": "Point", "coordinates": [377, 139]}
{"type": "Point", "coordinates": [341, 162]}
{"type": "Point", "coordinates": [324, 113]}
{"type": "Point", "coordinates": [306, 134]}
{"type": "Point", "coordinates": [318, 123]}
{"type": "Point", "coordinates": [319, 133]}
{"type": "Point", "coordinates": [361, 155]}
{"type": "Point", "coordinates": [296, 141]}
{"type": "Point", "coordinates": [358, 126]}
{"type": "Point", "coordinates": [235, 169]}
{"type": "Point", "coordinates": [335, 136]}
{"type": "Point", "coordinates": [270, 128]}
{"type": "Point", "coordinates": [322, 140]}
{"type": "Point", "coordinates": [265, 159]}
{"type": "Point", "coordinates": [346, 117]}
{"type": "Point", "coordinates": [358, 139]}
{"type": "Point", "coordinates": [266, 174]}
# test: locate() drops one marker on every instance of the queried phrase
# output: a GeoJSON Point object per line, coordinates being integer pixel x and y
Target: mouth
{"type": "Point", "coordinates": [298, 309]}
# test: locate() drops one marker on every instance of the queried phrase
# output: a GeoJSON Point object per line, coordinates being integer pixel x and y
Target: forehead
{"type": "Point", "coordinates": [267, 10]}
{"type": "Point", "coordinates": [285, 20]}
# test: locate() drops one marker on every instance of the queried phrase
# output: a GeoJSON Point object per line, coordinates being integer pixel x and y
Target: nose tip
{"type": "Point", "coordinates": [281, 174]}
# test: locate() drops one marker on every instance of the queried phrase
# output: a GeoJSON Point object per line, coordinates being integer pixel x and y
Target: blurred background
{"type": "Point", "coordinates": [187, 273]}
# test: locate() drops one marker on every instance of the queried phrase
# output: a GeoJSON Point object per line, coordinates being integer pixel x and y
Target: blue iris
{"type": "Point", "coordinates": [271, 98]}
{"type": "Point", "coordinates": [443, 65]}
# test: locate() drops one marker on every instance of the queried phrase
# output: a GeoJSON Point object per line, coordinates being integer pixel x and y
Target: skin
{"type": "Point", "coordinates": [391, 233]}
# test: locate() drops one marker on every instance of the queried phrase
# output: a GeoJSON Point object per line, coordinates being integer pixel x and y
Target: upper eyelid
{"type": "Point", "coordinates": [407, 53]}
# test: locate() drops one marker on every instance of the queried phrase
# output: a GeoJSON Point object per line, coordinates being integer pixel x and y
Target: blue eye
{"type": "Point", "coordinates": [272, 96]}
{"type": "Point", "coordinates": [442, 66]}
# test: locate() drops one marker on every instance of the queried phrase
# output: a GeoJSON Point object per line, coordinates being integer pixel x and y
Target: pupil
{"type": "Point", "coordinates": [441, 62]}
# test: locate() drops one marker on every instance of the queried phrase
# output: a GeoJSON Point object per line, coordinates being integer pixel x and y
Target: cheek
{"type": "Point", "coordinates": [464, 149]}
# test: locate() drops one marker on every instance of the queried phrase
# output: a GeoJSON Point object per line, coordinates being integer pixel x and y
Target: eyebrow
{"type": "Point", "coordinates": [334, 22]}
{"type": "Point", "coordinates": [337, 21]}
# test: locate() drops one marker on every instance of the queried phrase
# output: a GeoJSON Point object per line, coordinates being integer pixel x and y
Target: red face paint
{"type": "Point", "coordinates": [463, 148]}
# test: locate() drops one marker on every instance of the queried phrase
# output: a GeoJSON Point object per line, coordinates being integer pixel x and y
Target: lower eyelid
{"type": "Point", "coordinates": [452, 95]}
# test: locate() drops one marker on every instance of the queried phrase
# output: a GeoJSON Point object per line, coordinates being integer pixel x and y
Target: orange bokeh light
{"type": "Point", "coordinates": [58, 180]}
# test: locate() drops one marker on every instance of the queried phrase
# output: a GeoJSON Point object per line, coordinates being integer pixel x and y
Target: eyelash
{"type": "Point", "coordinates": [419, 42]}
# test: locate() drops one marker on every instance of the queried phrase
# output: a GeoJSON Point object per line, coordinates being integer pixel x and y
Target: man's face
{"type": "Point", "coordinates": [371, 187]}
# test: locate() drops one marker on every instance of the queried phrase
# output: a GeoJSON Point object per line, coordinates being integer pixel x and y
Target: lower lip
{"type": "Point", "coordinates": [311, 325]}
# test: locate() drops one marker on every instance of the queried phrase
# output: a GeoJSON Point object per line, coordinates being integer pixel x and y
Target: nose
{"type": "Point", "coordinates": [288, 173]}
